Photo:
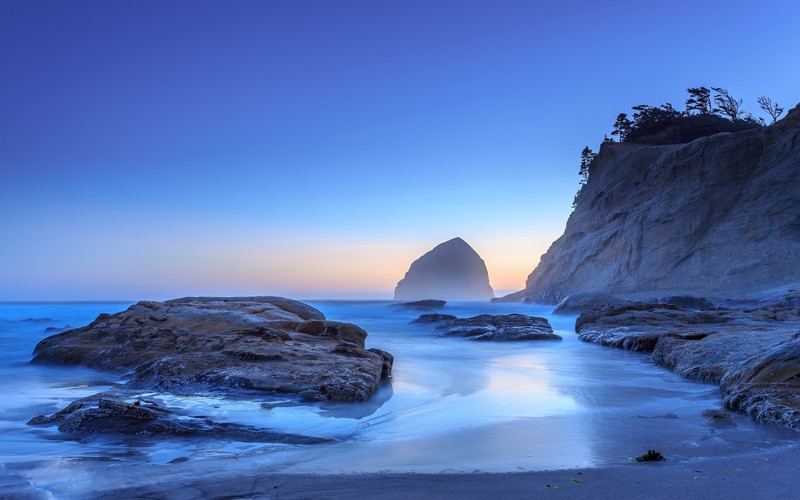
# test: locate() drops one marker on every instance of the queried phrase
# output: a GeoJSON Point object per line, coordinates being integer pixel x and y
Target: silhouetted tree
{"type": "Point", "coordinates": [587, 156]}
{"type": "Point", "coordinates": [646, 116]}
{"type": "Point", "coordinates": [699, 100]}
{"type": "Point", "coordinates": [669, 110]}
{"type": "Point", "coordinates": [649, 120]}
{"type": "Point", "coordinates": [622, 127]}
{"type": "Point", "coordinates": [771, 108]}
{"type": "Point", "coordinates": [726, 105]}
{"type": "Point", "coordinates": [606, 139]}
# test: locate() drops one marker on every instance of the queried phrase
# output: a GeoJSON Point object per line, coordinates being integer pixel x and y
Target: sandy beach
{"type": "Point", "coordinates": [770, 474]}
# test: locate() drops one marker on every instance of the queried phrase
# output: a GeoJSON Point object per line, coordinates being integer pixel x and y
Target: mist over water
{"type": "Point", "coordinates": [452, 405]}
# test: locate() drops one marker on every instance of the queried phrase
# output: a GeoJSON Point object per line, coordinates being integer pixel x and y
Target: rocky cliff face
{"type": "Point", "coordinates": [452, 270]}
{"type": "Point", "coordinates": [719, 216]}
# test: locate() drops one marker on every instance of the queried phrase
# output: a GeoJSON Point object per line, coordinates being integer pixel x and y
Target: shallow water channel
{"type": "Point", "coordinates": [452, 405]}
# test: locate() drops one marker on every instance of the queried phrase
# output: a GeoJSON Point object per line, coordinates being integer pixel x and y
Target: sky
{"type": "Point", "coordinates": [314, 149]}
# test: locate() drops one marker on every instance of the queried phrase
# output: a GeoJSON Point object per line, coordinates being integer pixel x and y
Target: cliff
{"type": "Point", "coordinates": [719, 216]}
{"type": "Point", "coordinates": [452, 270]}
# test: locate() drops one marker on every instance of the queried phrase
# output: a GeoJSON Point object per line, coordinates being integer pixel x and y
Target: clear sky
{"type": "Point", "coordinates": [154, 149]}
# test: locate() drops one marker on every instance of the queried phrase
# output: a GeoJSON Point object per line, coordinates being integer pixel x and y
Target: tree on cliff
{"type": "Point", "coordinates": [726, 105]}
{"type": "Point", "coordinates": [648, 120]}
{"type": "Point", "coordinates": [769, 107]}
{"type": "Point", "coordinates": [699, 100]}
{"type": "Point", "coordinates": [587, 156]}
{"type": "Point", "coordinates": [622, 127]}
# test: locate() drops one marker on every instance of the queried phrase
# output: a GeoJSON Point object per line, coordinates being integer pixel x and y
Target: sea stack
{"type": "Point", "coordinates": [452, 270]}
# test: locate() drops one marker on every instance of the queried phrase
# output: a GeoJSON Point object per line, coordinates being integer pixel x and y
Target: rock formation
{"type": "Point", "coordinates": [586, 301]}
{"type": "Point", "coordinates": [751, 353]}
{"type": "Point", "coordinates": [267, 344]}
{"type": "Point", "coordinates": [422, 305]}
{"type": "Point", "coordinates": [129, 414]}
{"type": "Point", "coordinates": [488, 327]}
{"type": "Point", "coordinates": [452, 270]}
{"type": "Point", "coordinates": [716, 217]}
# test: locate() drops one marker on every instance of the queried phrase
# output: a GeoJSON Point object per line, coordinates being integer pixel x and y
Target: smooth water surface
{"type": "Point", "coordinates": [452, 405]}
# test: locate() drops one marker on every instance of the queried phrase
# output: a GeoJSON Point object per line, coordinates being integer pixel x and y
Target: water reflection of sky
{"type": "Point", "coordinates": [452, 405]}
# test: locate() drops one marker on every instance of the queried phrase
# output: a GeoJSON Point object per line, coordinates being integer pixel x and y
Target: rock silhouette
{"type": "Point", "coordinates": [452, 270]}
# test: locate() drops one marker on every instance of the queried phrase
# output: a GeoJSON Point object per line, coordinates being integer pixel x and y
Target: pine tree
{"type": "Point", "coordinates": [699, 100]}
{"type": "Point", "coordinates": [587, 156]}
{"type": "Point", "coordinates": [622, 127]}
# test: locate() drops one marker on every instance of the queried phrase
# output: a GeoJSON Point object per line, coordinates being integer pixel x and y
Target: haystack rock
{"type": "Point", "coordinates": [452, 270]}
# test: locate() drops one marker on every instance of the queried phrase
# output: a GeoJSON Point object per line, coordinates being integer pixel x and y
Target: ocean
{"type": "Point", "coordinates": [452, 406]}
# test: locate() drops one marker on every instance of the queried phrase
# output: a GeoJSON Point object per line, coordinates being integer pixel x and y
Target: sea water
{"type": "Point", "coordinates": [452, 405]}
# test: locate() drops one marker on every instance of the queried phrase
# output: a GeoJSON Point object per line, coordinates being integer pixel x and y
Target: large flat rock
{"type": "Point", "coordinates": [491, 327]}
{"type": "Point", "coordinates": [267, 344]}
{"type": "Point", "coordinates": [754, 354]}
{"type": "Point", "coordinates": [129, 414]}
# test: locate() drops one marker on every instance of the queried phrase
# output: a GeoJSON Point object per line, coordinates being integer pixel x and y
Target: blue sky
{"type": "Point", "coordinates": [315, 148]}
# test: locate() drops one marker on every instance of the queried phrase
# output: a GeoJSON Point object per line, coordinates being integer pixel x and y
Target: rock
{"type": "Point", "coordinates": [346, 332]}
{"type": "Point", "coordinates": [388, 361]}
{"type": "Point", "coordinates": [719, 418]}
{"type": "Point", "coordinates": [433, 318]}
{"type": "Point", "coordinates": [422, 304]}
{"type": "Point", "coordinates": [585, 301]}
{"type": "Point", "coordinates": [505, 327]}
{"type": "Point", "coordinates": [37, 320]}
{"type": "Point", "coordinates": [789, 300]}
{"type": "Point", "coordinates": [612, 325]}
{"type": "Point", "coordinates": [767, 384]}
{"type": "Point", "coordinates": [124, 413]}
{"type": "Point", "coordinates": [53, 329]}
{"type": "Point", "coordinates": [752, 353]}
{"type": "Point", "coordinates": [714, 217]}
{"type": "Point", "coordinates": [268, 344]}
{"type": "Point", "coordinates": [687, 302]}
{"type": "Point", "coordinates": [452, 270]}
{"type": "Point", "coordinates": [651, 456]}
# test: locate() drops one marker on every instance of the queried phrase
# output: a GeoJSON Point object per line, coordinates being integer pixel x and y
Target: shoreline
{"type": "Point", "coordinates": [770, 473]}
{"type": "Point", "coordinates": [761, 474]}
{"type": "Point", "coordinates": [764, 473]}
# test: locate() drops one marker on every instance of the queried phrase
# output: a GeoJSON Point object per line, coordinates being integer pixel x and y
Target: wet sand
{"type": "Point", "coordinates": [770, 474]}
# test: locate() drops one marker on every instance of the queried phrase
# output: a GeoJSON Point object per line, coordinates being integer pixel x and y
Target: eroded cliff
{"type": "Point", "coordinates": [719, 216]}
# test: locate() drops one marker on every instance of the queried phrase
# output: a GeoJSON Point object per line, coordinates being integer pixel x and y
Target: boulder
{"type": "Point", "coordinates": [128, 414]}
{"type": "Point", "coordinates": [452, 270]}
{"type": "Point", "coordinates": [718, 418]}
{"type": "Point", "coordinates": [268, 344]}
{"type": "Point", "coordinates": [498, 328]}
{"type": "Point", "coordinates": [584, 301]}
{"type": "Point", "coordinates": [433, 318]}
